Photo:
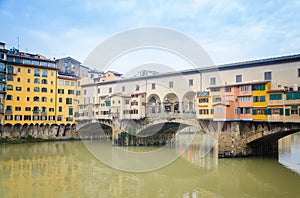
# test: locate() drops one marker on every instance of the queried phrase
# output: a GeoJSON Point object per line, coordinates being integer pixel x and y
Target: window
{"type": "Point", "coordinates": [44, 81]}
{"type": "Point", "coordinates": [77, 93]}
{"type": "Point", "coordinates": [18, 108]}
{"type": "Point", "coordinates": [68, 100]}
{"type": "Point", "coordinates": [27, 108]}
{"type": "Point", "coordinates": [67, 83]}
{"type": "Point", "coordinates": [227, 89]}
{"type": "Point", "coordinates": [110, 90]}
{"type": "Point", "coordinates": [51, 99]}
{"type": "Point", "coordinates": [70, 111]}
{"type": "Point", "coordinates": [255, 99]}
{"type": "Point", "coordinates": [44, 64]}
{"type": "Point", "coordinates": [59, 118]}
{"type": "Point", "coordinates": [28, 80]}
{"type": "Point", "coordinates": [34, 62]}
{"type": "Point", "coordinates": [275, 96]}
{"type": "Point", "coordinates": [298, 73]}
{"type": "Point", "coordinates": [123, 88]}
{"type": "Point", "coordinates": [9, 87]}
{"type": "Point", "coordinates": [258, 87]}
{"type": "Point", "coordinates": [137, 87]}
{"type": "Point", "coordinates": [262, 99]}
{"type": "Point", "coordinates": [98, 91]}
{"type": "Point", "coordinates": [191, 82]}
{"type": "Point", "coordinates": [60, 91]}
{"type": "Point", "coordinates": [153, 86]}
{"type": "Point", "coordinates": [36, 89]}
{"type": "Point", "coordinates": [171, 84]}
{"type": "Point", "coordinates": [44, 89]}
{"type": "Point", "coordinates": [70, 91]}
{"type": "Point", "coordinates": [245, 88]}
{"type": "Point", "coordinates": [52, 73]}
{"type": "Point", "coordinates": [27, 117]}
{"type": "Point", "coordinates": [18, 98]}
{"type": "Point", "coordinates": [28, 99]}
{"type": "Point", "coordinates": [268, 75]}
{"type": "Point", "coordinates": [51, 109]}
{"type": "Point", "coordinates": [293, 96]}
{"type": "Point", "coordinates": [10, 69]}
{"type": "Point", "coordinates": [28, 71]}
{"type": "Point", "coordinates": [245, 98]}
{"type": "Point", "coordinates": [51, 82]}
{"type": "Point", "coordinates": [18, 117]}
{"type": "Point", "coordinates": [73, 84]}
{"type": "Point", "coordinates": [36, 72]}
{"type": "Point", "coordinates": [238, 78]}
{"type": "Point", "coordinates": [212, 81]}
{"type": "Point", "coordinates": [10, 78]}
{"type": "Point", "coordinates": [219, 110]}
{"type": "Point", "coordinates": [203, 100]}
{"type": "Point", "coordinates": [84, 92]}
{"type": "Point", "coordinates": [60, 109]}
{"type": "Point", "coordinates": [9, 97]}
{"type": "Point", "coordinates": [19, 69]}
{"type": "Point", "coordinates": [8, 109]}
{"type": "Point", "coordinates": [59, 99]}
{"type": "Point", "coordinates": [36, 81]}
{"type": "Point", "coordinates": [44, 73]}
{"type": "Point", "coordinates": [8, 117]}
{"type": "Point", "coordinates": [216, 89]}
{"type": "Point", "coordinates": [18, 88]}
{"type": "Point", "coordinates": [36, 99]}
{"type": "Point", "coordinates": [18, 79]}
{"type": "Point", "coordinates": [44, 99]}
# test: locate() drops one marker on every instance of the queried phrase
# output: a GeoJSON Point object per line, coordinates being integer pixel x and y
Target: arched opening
{"type": "Point", "coordinates": [189, 102]}
{"type": "Point", "coordinates": [171, 103]}
{"type": "Point", "coordinates": [154, 104]}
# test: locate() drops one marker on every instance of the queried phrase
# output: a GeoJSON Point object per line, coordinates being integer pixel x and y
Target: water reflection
{"type": "Point", "coordinates": [67, 169]}
{"type": "Point", "coordinates": [289, 151]}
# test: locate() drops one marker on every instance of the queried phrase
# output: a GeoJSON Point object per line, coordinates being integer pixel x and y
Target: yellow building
{"type": "Point", "coordinates": [260, 100]}
{"type": "Point", "coordinates": [31, 89]}
{"type": "Point", "coordinates": [65, 99]}
{"type": "Point", "coordinates": [204, 104]}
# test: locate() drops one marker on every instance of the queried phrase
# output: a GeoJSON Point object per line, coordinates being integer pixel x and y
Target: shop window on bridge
{"type": "Point", "coordinates": [275, 96]}
{"type": "Point", "coordinates": [294, 110]}
{"type": "Point", "coordinates": [287, 112]}
{"type": "Point", "coordinates": [203, 100]}
{"type": "Point", "coordinates": [8, 117]}
{"type": "Point", "coordinates": [293, 96]}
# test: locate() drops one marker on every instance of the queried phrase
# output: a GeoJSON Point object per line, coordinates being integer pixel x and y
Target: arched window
{"type": "Point", "coordinates": [36, 99]}
{"type": "Point", "coordinates": [44, 73]}
{"type": "Point", "coordinates": [44, 110]}
{"type": "Point", "coordinates": [36, 80]}
{"type": "Point", "coordinates": [36, 89]}
{"type": "Point", "coordinates": [35, 109]}
{"type": "Point", "coordinates": [9, 87]}
{"type": "Point", "coordinates": [8, 109]}
{"type": "Point", "coordinates": [44, 81]}
{"type": "Point", "coordinates": [44, 89]}
{"type": "Point", "coordinates": [36, 72]}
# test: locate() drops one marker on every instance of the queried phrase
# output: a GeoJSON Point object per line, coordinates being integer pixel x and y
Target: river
{"type": "Point", "coordinates": [68, 169]}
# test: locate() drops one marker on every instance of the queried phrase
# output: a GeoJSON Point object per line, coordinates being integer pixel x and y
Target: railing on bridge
{"type": "Point", "coordinates": [170, 115]}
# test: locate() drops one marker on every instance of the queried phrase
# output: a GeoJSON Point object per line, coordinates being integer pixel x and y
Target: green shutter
{"type": "Point", "coordinates": [267, 111]}
{"type": "Point", "coordinates": [287, 112]}
{"type": "Point", "coordinates": [70, 111]}
{"type": "Point", "coordinates": [281, 111]}
{"type": "Point", "coordinates": [254, 111]}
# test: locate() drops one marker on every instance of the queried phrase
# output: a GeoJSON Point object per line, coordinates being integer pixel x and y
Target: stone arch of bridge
{"type": "Point", "coordinates": [95, 130]}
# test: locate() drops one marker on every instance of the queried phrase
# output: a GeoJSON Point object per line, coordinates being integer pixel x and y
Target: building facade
{"type": "Point", "coordinates": [239, 91]}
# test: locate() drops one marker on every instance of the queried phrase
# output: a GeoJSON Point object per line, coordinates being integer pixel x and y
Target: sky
{"type": "Point", "coordinates": [229, 30]}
